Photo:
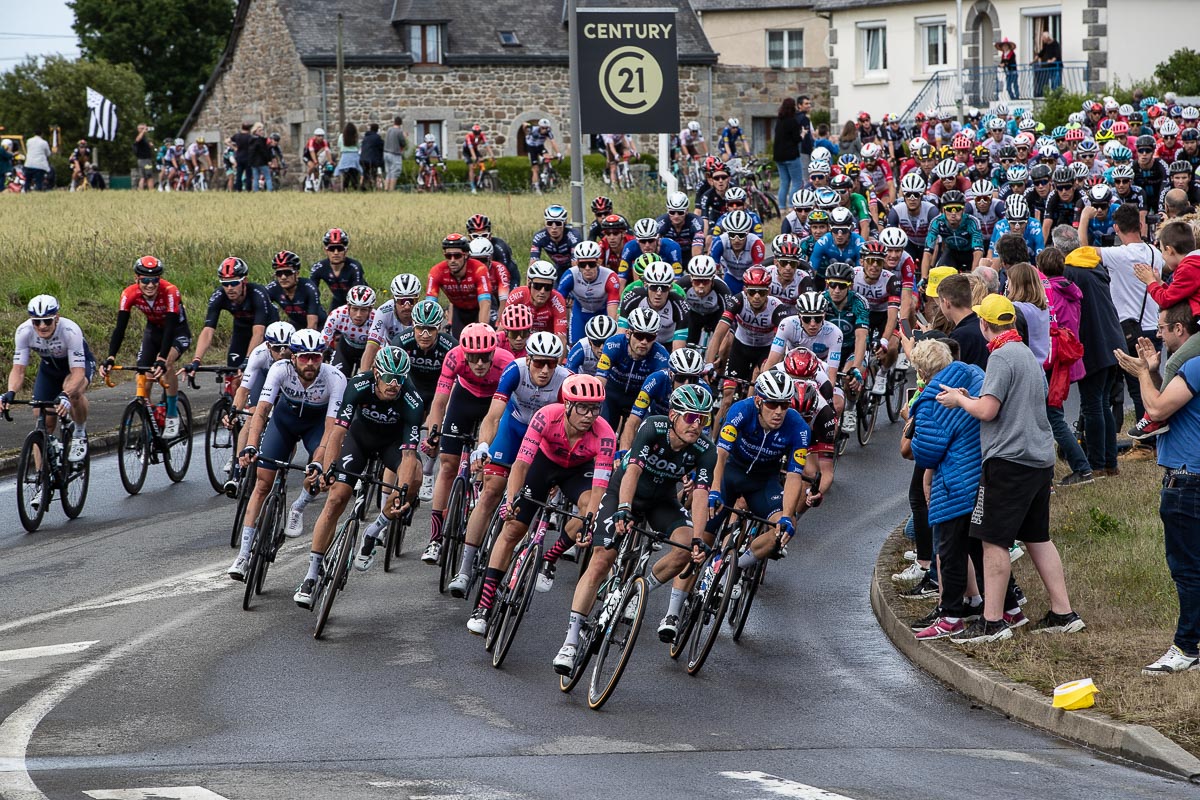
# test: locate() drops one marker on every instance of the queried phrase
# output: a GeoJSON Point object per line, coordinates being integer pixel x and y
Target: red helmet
{"type": "Point", "coordinates": [756, 278]}
{"type": "Point", "coordinates": [614, 222]}
{"type": "Point", "coordinates": [873, 248]}
{"type": "Point", "coordinates": [807, 395]}
{"type": "Point", "coordinates": [788, 250]}
{"type": "Point", "coordinates": [148, 267]}
{"type": "Point", "coordinates": [456, 241]}
{"type": "Point", "coordinates": [285, 259]}
{"type": "Point", "coordinates": [602, 205]}
{"type": "Point", "coordinates": [478, 337]}
{"type": "Point", "coordinates": [802, 363]}
{"type": "Point", "coordinates": [712, 164]}
{"type": "Point", "coordinates": [920, 116]}
{"type": "Point", "coordinates": [863, 116]}
{"type": "Point", "coordinates": [476, 128]}
{"type": "Point", "coordinates": [233, 269]}
{"type": "Point", "coordinates": [335, 236]}
{"type": "Point", "coordinates": [1094, 107]}
{"type": "Point", "coordinates": [1154, 112]}
{"type": "Point", "coordinates": [516, 317]}
{"type": "Point", "coordinates": [583, 389]}
{"type": "Point", "coordinates": [960, 142]}
{"type": "Point", "coordinates": [478, 223]}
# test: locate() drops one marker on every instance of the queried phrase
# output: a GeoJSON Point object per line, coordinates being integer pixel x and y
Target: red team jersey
{"type": "Point", "coordinates": [167, 301]}
{"type": "Point", "coordinates": [550, 317]}
{"type": "Point", "coordinates": [464, 292]}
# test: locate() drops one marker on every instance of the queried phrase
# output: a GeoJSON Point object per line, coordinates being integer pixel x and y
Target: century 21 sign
{"type": "Point", "coordinates": [628, 70]}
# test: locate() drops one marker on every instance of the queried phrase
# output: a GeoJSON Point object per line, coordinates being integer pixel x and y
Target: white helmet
{"type": "Point", "coordinates": [893, 238]}
{"type": "Point", "coordinates": [179, 142]}
{"type": "Point", "coordinates": [659, 273]}
{"type": "Point", "coordinates": [693, 126]}
{"type": "Point", "coordinates": [307, 341]}
{"type": "Point", "coordinates": [820, 154]}
{"type": "Point", "coordinates": [405, 285]}
{"type": "Point", "coordinates": [734, 122]}
{"type": "Point", "coordinates": [871, 151]}
{"type": "Point", "coordinates": [782, 239]}
{"type": "Point", "coordinates": [319, 132]}
{"type": "Point", "coordinates": [543, 123]}
{"type": "Point", "coordinates": [804, 198]}
{"type": "Point", "coordinates": [702, 266]}
{"type": "Point", "coordinates": [481, 249]}
{"type": "Point", "coordinates": [811, 304]}
{"type": "Point", "coordinates": [544, 344]}
{"type": "Point", "coordinates": [430, 138]}
{"type": "Point", "coordinates": [43, 305]}
{"type": "Point", "coordinates": [1001, 110]}
{"type": "Point", "coordinates": [361, 296]}
{"type": "Point", "coordinates": [646, 228]}
{"type": "Point", "coordinates": [555, 213]}
{"type": "Point", "coordinates": [644, 320]}
{"type": "Point", "coordinates": [981, 188]}
{"type": "Point", "coordinates": [996, 124]}
{"type": "Point", "coordinates": [600, 327]}
{"type": "Point", "coordinates": [1015, 207]}
{"type": "Point", "coordinates": [677, 201]}
{"type": "Point", "coordinates": [735, 194]}
{"type": "Point", "coordinates": [1125, 109]}
{"type": "Point", "coordinates": [775, 387]}
{"type": "Point", "coordinates": [686, 361]}
{"type": "Point", "coordinates": [738, 221]}
{"type": "Point", "coordinates": [542, 270]}
{"type": "Point", "coordinates": [1169, 128]}
{"type": "Point", "coordinates": [279, 332]}
{"type": "Point", "coordinates": [913, 182]}
{"type": "Point", "coordinates": [916, 143]}
{"type": "Point", "coordinates": [586, 251]}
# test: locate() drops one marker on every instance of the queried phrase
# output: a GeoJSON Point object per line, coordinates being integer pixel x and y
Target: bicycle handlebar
{"type": "Point", "coordinates": [587, 519]}
{"type": "Point", "coordinates": [31, 404]}
{"type": "Point", "coordinates": [334, 470]}
{"type": "Point", "coordinates": [108, 381]}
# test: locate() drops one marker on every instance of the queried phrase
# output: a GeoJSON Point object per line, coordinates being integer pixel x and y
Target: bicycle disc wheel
{"type": "Point", "coordinates": [518, 602]}
{"type": "Point", "coordinates": [133, 444]}
{"type": "Point", "coordinates": [617, 645]}
{"type": "Point", "coordinates": [216, 455]}
{"type": "Point", "coordinates": [335, 575]}
{"type": "Point", "coordinates": [712, 610]}
{"type": "Point", "coordinates": [33, 481]}
{"type": "Point", "coordinates": [897, 383]}
{"type": "Point", "coordinates": [74, 483]}
{"type": "Point", "coordinates": [867, 413]}
{"type": "Point", "coordinates": [179, 450]}
{"type": "Point", "coordinates": [749, 589]}
{"type": "Point", "coordinates": [452, 533]}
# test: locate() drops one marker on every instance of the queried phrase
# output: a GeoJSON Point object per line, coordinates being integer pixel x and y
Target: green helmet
{"type": "Point", "coordinates": [393, 362]}
{"type": "Point", "coordinates": [428, 314]}
{"type": "Point", "coordinates": [644, 260]}
{"type": "Point", "coordinates": [692, 398]}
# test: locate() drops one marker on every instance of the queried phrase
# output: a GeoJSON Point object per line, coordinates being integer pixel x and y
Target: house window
{"type": "Point", "coordinates": [433, 126]}
{"type": "Point", "coordinates": [1040, 20]}
{"type": "Point", "coordinates": [425, 43]}
{"type": "Point", "coordinates": [509, 39]}
{"type": "Point", "coordinates": [785, 49]}
{"type": "Point", "coordinates": [872, 46]}
{"type": "Point", "coordinates": [932, 44]}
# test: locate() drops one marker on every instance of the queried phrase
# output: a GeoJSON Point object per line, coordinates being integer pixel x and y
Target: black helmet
{"type": "Point", "coordinates": [839, 271]}
{"type": "Point", "coordinates": [1145, 141]}
{"type": "Point", "coordinates": [1039, 172]}
{"type": "Point", "coordinates": [953, 198]}
{"type": "Point", "coordinates": [1062, 175]}
{"type": "Point", "coordinates": [1008, 151]}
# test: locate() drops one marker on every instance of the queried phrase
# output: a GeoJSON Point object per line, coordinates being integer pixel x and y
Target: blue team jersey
{"type": "Point", "coordinates": [582, 360]}
{"type": "Point", "coordinates": [1032, 233]}
{"type": "Point", "coordinates": [621, 371]}
{"type": "Point", "coordinates": [754, 449]}
{"type": "Point", "coordinates": [693, 229]}
{"type": "Point", "coordinates": [826, 251]}
{"type": "Point", "coordinates": [668, 250]}
{"type": "Point", "coordinates": [655, 395]}
{"type": "Point", "coordinates": [557, 253]}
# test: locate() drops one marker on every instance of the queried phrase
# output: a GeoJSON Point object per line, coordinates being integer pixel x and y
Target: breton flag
{"type": "Point", "coordinates": [103, 118]}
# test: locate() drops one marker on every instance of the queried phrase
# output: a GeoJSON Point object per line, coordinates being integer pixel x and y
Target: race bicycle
{"type": "Point", "coordinates": [268, 529]}
{"type": "Point", "coordinates": [548, 178]}
{"type": "Point", "coordinates": [140, 441]}
{"type": "Point", "coordinates": [223, 427]}
{"type": "Point", "coordinates": [42, 468]}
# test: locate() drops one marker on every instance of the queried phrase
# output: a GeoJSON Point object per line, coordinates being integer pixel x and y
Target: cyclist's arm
{"type": "Point", "coordinates": [860, 348]}
{"type": "Point", "coordinates": [118, 334]}
{"type": "Point", "coordinates": [203, 341]}
{"type": "Point", "coordinates": [722, 456]}
{"type": "Point", "coordinates": [629, 482]}
{"type": "Point", "coordinates": [258, 420]}
{"type": "Point", "coordinates": [16, 378]}
{"type": "Point", "coordinates": [491, 422]}
{"type": "Point", "coordinates": [724, 326]}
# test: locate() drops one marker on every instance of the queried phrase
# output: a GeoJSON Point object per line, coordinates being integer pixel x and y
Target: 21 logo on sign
{"type": "Point", "coordinates": [631, 80]}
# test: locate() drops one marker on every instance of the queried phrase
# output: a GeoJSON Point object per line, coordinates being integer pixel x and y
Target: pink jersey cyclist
{"type": "Point", "coordinates": [456, 372]}
{"type": "Point", "coordinates": [552, 459]}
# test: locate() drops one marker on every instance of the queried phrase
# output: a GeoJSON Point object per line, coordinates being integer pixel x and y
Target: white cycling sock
{"type": "Point", "coordinates": [676, 604]}
{"type": "Point", "coordinates": [303, 500]}
{"type": "Point", "coordinates": [373, 530]}
{"type": "Point", "coordinates": [747, 560]}
{"type": "Point", "coordinates": [81, 431]}
{"type": "Point", "coordinates": [652, 582]}
{"type": "Point", "coordinates": [573, 628]}
{"type": "Point", "coordinates": [468, 556]}
{"type": "Point", "coordinates": [247, 538]}
{"type": "Point", "coordinates": [314, 565]}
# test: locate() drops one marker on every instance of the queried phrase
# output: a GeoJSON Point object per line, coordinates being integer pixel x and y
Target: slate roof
{"type": "Point", "coordinates": [843, 5]}
{"type": "Point", "coordinates": [748, 5]}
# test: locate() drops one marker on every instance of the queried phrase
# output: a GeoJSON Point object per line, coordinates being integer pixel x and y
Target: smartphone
{"type": "Point", "coordinates": [921, 319]}
{"type": "Point", "coordinates": [906, 329]}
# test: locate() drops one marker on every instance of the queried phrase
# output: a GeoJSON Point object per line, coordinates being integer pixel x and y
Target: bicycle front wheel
{"type": "Point", "coordinates": [749, 589]}
{"type": "Point", "coordinates": [452, 533]}
{"type": "Point", "coordinates": [179, 449]}
{"type": "Point", "coordinates": [75, 477]}
{"type": "Point", "coordinates": [617, 645]}
{"type": "Point", "coordinates": [133, 444]}
{"type": "Point", "coordinates": [518, 602]}
{"type": "Point", "coordinates": [897, 383]}
{"type": "Point", "coordinates": [33, 480]}
{"type": "Point", "coordinates": [713, 605]}
{"type": "Point", "coordinates": [218, 444]}
{"type": "Point", "coordinates": [335, 573]}
{"type": "Point", "coordinates": [867, 412]}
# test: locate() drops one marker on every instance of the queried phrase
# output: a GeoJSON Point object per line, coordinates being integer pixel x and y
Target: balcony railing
{"type": "Point", "coordinates": [982, 86]}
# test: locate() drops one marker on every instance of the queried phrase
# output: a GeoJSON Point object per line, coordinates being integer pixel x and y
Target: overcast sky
{"type": "Point", "coordinates": [35, 27]}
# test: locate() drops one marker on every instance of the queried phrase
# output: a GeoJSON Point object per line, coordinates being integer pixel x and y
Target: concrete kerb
{"type": "Point", "coordinates": [99, 444]}
{"type": "Point", "coordinates": [942, 660]}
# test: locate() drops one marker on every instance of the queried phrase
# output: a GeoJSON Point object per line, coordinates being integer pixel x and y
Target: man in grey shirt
{"type": "Point", "coordinates": [1013, 502]}
{"type": "Point", "coordinates": [394, 143]}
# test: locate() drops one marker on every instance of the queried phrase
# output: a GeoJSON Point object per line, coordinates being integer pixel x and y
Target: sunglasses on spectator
{"type": "Point", "coordinates": [480, 358]}
{"type": "Point", "coordinates": [308, 358]}
{"type": "Point", "coordinates": [695, 418]}
{"type": "Point", "coordinates": [644, 337]}
{"type": "Point", "coordinates": [775, 405]}
{"type": "Point", "coordinates": [540, 287]}
{"type": "Point", "coordinates": [149, 281]}
{"type": "Point", "coordinates": [285, 273]}
{"type": "Point", "coordinates": [586, 409]}
{"type": "Point", "coordinates": [336, 248]}
{"type": "Point", "coordinates": [42, 322]}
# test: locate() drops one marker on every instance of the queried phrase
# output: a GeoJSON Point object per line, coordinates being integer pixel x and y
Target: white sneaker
{"type": "Point", "coordinates": [295, 524]}
{"type": "Point", "coordinates": [79, 449]}
{"type": "Point", "coordinates": [1014, 553]}
{"type": "Point", "coordinates": [902, 363]}
{"type": "Point", "coordinates": [736, 594]}
{"type": "Point", "coordinates": [564, 662]}
{"type": "Point", "coordinates": [915, 572]}
{"type": "Point", "coordinates": [910, 555]}
{"type": "Point", "coordinates": [238, 570]}
{"type": "Point", "coordinates": [631, 609]}
{"type": "Point", "coordinates": [430, 556]}
{"type": "Point", "coordinates": [171, 428]}
{"type": "Point", "coordinates": [477, 622]}
{"type": "Point", "coordinates": [36, 500]}
{"type": "Point", "coordinates": [849, 420]}
{"type": "Point", "coordinates": [458, 586]}
{"type": "Point", "coordinates": [1172, 661]}
{"type": "Point", "coordinates": [228, 467]}
{"type": "Point", "coordinates": [880, 387]}
{"type": "Point", "coordinates": [426, 493]}
{"type": "Point", "coordinates": [304, 594]}
{"type": "Point", "coordinates": [545, 578]}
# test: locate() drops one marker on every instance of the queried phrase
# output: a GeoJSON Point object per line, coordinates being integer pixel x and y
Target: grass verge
{"type": "Point", "coordinates": [1111, 542]}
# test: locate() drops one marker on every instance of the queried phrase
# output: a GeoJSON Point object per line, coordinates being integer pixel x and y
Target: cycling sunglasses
{"type": "Point", "coordinates": [237, 282]}
{"type": "Point", "coordinates": [644, 337]}
{"type": "Point", "coordinates": [1144, 150]}
{"type": "Point", "coordinates": [957, 209]}
{"type": "Point", "coordinates": [540, 287]}
{"type": "Point", "coordinates": [42, 322]}
{"type": "Point", "coordinates": [335, 248]}
{"type": "Point", "coordinates": [308, 358]}
{"type": "Point", "coordinates": [480, 358]}
{"type": "Point", "coordinates": [454, 256]}
{"type": "Point", "coordinates": [389, 378]}
{"type": "Point", "coordinates": [832, 285]}
{"type": "Point", "coordinates": [278, 348]}
{"type": "Point", "coordinates": [427, 329]}
{"type": "Point", "coordinates": [676, 213]}
{"type": "Point", "coordinates": [737, 236]}
{"type": "Point", "coordinates": [694, 418]}
{"type": "Point", "coordinates": [776, 405]}
{"type": "Point", "coordinates": [807, 320]}
{"type": "Point", "coordinates": [658, 288]}
{"type": "Point", "coordinates": [542, 363]}
{"type": "Point", "coordinates": [1041, 183]}
{"type": "Point", "coordinates": [756, 292]}
{"type": "Point", "coordinates": [285, 273]}
{"type": "Point", "coordinates": [550, 223]}
{"type": "Point", "coordinates": [149, 281]}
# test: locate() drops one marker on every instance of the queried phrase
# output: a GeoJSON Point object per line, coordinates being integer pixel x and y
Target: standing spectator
{"type": "Point", "coordinates": [243, 143]}
{"type": "Point", "coordinates": [370, 154]}
{"type": "Point", "coordinates": [1178, 244]}
{"type": "Point", "coordinates": [143, 151]}
{"type": "Point", "coordinates": [946, 444]}
{"type": "Point", "coordinates": [394, 145]}
{"type": "Point", "coordinates": [1065, 239]}
{"type": "Point", "coordinates": [1064, 298]}
{"type": "Point", "coordinates": [260, 158]}
{"type": "Point", "coordinates": [1049, 65]}
{"type": "Point", "coordinates": [848, 141]}
{"type": "Point", "coordinates": [1179, 455]}
{"type": "Point", "coordinates": [1100, 333]}
{"type": "Point", "coordinates": [348, 165]}
{"type": "Point", "coordinates": [1013, 500]}
{"type": "Point", "coordinates": [1024, 288]}
{"type": "Point", "coordinates": [37, 162]}
{"type": "Point", "coordinates": [6, 161]}
{"type": "Point", "coordinates": [786, 145]}
{"type": "Point", "coordinates": [803, 107]}
{"type": "Point", "coordinates": [822, 140]}
{"type": "Point", "coordinates": [1008, 63]}
{"type": "Point", "coordinates": [953, 295]}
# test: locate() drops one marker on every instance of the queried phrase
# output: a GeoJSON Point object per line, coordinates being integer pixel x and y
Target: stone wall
{"type": "Point", "coordinates": [747, 92]}
{"type": "Point", "coordinates": [264, 81]}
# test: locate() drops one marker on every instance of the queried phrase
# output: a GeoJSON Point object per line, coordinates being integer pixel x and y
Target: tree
{"type": "Point", "coordinates": [1180, 72]}
{"type": "Point", "coordinates": [38, 95]}
{"type": "Point", "coordinates": [173, 45]}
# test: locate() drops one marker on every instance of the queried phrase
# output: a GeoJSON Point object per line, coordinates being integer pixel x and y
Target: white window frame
{"type": "Point", "coordinates": [862, 33]}
{"type": "Point", "coordinates": [787, 34]}
{"type": "Point", "coordinates": [924, 25]}
{"type": "Point", "coordinates": [1027, 17]}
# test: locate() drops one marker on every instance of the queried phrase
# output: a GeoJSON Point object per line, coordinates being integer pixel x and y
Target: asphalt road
{"type": "Point", "coordinates": [156, 678]}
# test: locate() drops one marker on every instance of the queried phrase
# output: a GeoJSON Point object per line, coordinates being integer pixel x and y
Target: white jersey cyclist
{"type": "Point", "coordinates": [826, 343]}
{"type": "Point", "coordinates": [523, 396]}
{"type": "Point", "coordinates": [755, 328]}
{"type": "Point", "coordinates": [800, 283]}
{"type": "Point", "coordinates": [339, 323]}
{"type": "Point", "coordinates": [322, 396]}
{"type": "Point", "coordinates": [385, 326]}
{"type": "Point", "coordinates": [65, 349]}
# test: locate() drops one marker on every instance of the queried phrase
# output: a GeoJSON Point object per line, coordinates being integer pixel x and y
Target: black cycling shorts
{"type": "Point", "coordinates": [464, 412]}
{"type": "Point", "coordinates": [744, 360]}
{"type": "Point", "coordinates": [152, 340]}
{"type": "Point", "coordinates": [355, 454]}
{"type": "Point", "coordinates": [543, 475]}
{"type": "Point", "coordinates": [660, 511]}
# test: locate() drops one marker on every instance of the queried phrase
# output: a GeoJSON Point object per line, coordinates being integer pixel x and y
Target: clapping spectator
{"type": "Point", "coordinates": [260, 158]}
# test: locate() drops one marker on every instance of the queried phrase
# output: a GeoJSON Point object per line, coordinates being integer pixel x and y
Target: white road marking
{"type": "Point", "coordinates": [44, 652]}
{"type": "Point", "coordinates": [783, 787]}
{"type": "Point", "coordinates": [157, 793]}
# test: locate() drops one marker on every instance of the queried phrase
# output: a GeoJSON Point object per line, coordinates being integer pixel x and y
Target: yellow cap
{"type": "Point", "coordinates": [936, 276]}
{"type": "Point", "coordinates": [1075, 695]}
{"type": "Point", "coordinates": [996, 309]}
{"type": "Point", "coordinates": [1085, 257]}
